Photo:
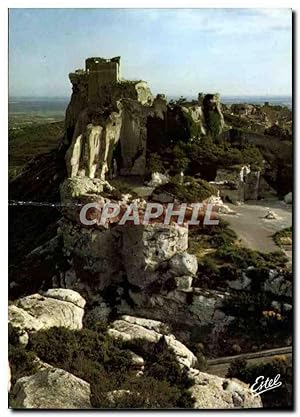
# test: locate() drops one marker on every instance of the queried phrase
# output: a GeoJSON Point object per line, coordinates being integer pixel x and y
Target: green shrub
{"type": "Point", "coordinates": [13, 335]}
{"type": "Point", "coordinates": [107, 365]}
{"type": "Point", "coordinates": [21, 362]}
{"type": "Point", "coordinates": [161, 364]}
{"type": "Point", "coordinates": [242, 257]}
{"type": "Point", "coordinates": [286, 233]}
{"type": "Point", "coordinates": [139, 392]}
{"type": "Point", "coordinates": [155, 163]}
{"type": "Point", "coordinates": [68, 349]}
{"type": "Point", "coordinates": [187, 190]}
{"type": "Point", "coordinates": [120, 189]}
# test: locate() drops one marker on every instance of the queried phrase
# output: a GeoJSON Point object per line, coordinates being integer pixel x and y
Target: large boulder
{"type": "Point", "coordinates": [213, 392]}
{"type": "Point", "coordinates": [158, 179]}
{"type": "Point", "coordinates": [184, 264]}
{"type": "Point", "coordinates": [147, 248]}
{"type": "Point", "coordinates": [243, 282]}
{"type": "Point", "coordinates": [55, 308]}
{"type": "Point", "coordinates": [51, 389]}
{"type": "Point", "coordinates": [288, 198]}
{"type": "Point", "coordinates": [129, 328]}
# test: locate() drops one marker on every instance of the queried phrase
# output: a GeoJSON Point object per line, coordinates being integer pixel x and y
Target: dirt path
{"type": "Point", "coordinates": [220, 366]}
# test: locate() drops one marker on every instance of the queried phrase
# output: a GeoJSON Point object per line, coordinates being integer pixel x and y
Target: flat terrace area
{"type": "Point", "coordinates": [254, 230]}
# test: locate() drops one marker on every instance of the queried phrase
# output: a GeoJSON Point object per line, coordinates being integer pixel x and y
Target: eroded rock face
{"type": "Point", "coordinates": [184, 264]}
{"type": "Point", "coordinates": [213, 392]}
{"type": "Point", "coordinates": [147, 248]}
{"type": "Point", "coordinates": [56, 308]}
{"type": "Point", "coordinates": [90, 152]}
{"type": "Point", "coordinates": [51, 389]}
{"type": "Point", "coordinates": [212, 114]}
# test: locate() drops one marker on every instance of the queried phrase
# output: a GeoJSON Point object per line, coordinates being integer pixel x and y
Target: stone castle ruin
{"type": "Point", "coordinates": [112, 123]}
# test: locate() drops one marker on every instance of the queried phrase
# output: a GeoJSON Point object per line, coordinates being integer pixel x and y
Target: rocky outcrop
{"type": "Point", "coordinates": [158, 179]}
{"type": "Point", "coordinates": [50, 389]}
{"type": "Point", "coordinates": [212, 392]}
{"type": "Point", "coordinates": [91, 151]}
{"type": "Point", "coordinates": [55, 308]}
{"type": "Point", "coordinates": [147, 248]}
{"type": "Point", "coordinates": [129, 328]}
{"type": "Point", "coordinates": [186, 309]}
{"type": "Point", "coordinates": [213, 116]}
{"type": "Point", "coordinates": [183, 264]}
{"type": "Point", "coordinates": [278, 285]}
{"type": "Point", "coordinates": [240, 183]}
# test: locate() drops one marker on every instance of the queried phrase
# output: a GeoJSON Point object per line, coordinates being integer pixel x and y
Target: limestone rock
{"type": "Point", "coordinates": [213, 392]}
{"type": "Point", "coordinates": [94, 253]}
{"type": "Point", "coordinates": [288, 198]}
{"type": "Point", "coordinates": [89, 151]}
{"type": "Point", "coordinates": [75, 187]}
{"type": "Point", "coordinates": [66, 295]}
{"type": "Point", "coordinates": [184, 283]}
{"type": "Point", "coordinates": [114, 397]}
{"type": "Point", "coordinates": [132, 328]}
{"type": "Point", "coordinates": [214, 120]}
{"type": "Point", "coordinates": [51, 389]}
{"type": "Point", "coordinates": [158, 178]}
{"type": "Point", "coordinates": [184, 264]}
{"type": "Point", "coordinates": [146, 247]}
{"type": "Point", "coordinates": [270, 215]}
{"type": "Point", "coordinates": [203, 307]}
{"type": "Point", "coordinates": [242, 283]}
{"type": "Point", "coordinates": [278, 285]}
{"type": "Point", "coordinates": [36, 312]}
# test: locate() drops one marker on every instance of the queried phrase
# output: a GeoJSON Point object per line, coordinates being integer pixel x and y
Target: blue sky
{"type": "Point", "coordinates": [178, 51]}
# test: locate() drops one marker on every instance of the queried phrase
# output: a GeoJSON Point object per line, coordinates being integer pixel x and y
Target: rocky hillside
{"type": "Point", "coordinates": [112, 315]}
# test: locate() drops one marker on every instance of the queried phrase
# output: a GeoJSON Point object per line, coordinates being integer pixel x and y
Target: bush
{"type": "Point", "coordinates": [187, 190]}
{"type": "Point", "coordinates": [161, 364]}
{"type": "Point", "coordinates": [21, 362]}
{"type": "Point", "coordinates": [81, 352]}
{"type": "Point", "coordinates": [242, 257]}
{"type": "Point", "coordinates": [155, 163]}
{"type": "Point", "coordinates": [282, 235]}
{"type": "Point", "coordinates": [120, 189]}
{"type": "Point", "coordinates": [138, 392]}
{"type": "Point", "coordinates": [107, 365]}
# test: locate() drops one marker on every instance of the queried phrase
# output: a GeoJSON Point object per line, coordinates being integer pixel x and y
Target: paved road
{"type": "Point", "coordinates": [220, 366]}
{"type": "Point", "coordinates": [253, 229]}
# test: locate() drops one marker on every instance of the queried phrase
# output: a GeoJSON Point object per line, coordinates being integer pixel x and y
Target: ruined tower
{"type": "Point", "coordinates": [101, 72]}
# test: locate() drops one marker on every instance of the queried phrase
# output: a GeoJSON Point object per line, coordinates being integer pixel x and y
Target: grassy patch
{"type": "Point", "coordinates": [284, 237]}
{"type": "Point", "coordinates": [187, 190]}
{"type": "Point", "coordinates": [27, 142]}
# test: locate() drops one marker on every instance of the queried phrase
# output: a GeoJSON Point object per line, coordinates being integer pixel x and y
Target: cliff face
{"type": "Point", "coordinates": [95, 122]}
{"type": "Point", "coordinates": [90, 151]}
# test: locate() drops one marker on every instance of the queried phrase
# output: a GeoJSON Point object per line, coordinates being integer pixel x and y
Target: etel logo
{"type": "Point", "coordinates": [261, 385]}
